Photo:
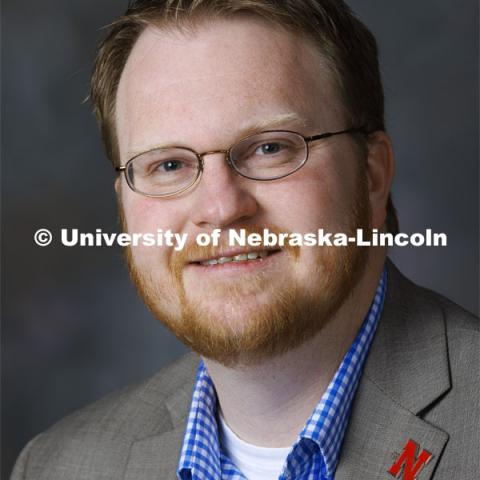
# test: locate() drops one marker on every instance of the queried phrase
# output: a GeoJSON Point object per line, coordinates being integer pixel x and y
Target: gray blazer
{"type": "Point", "coordinates": [421, 383]}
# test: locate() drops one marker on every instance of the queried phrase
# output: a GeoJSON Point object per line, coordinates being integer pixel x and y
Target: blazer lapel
{"type": "Point", "coordinates": [407, 370]}
{"type": "Point", "coordinates": [377, 434]}
{"type": "Point", "coordinates": [156, 457]}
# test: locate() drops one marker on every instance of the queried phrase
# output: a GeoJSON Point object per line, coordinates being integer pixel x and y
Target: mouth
{"type": "Point", "coordinates": [237, 257]}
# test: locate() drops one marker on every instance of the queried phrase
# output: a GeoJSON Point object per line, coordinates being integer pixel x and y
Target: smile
{"type": "Point", "coordinates": [237, 258]}
{"type": "Point", "coordinates": [258, 255]}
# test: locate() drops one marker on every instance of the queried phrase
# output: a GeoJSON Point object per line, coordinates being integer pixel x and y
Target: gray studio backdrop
{"type": "Point", "coordinates": [73, 326]}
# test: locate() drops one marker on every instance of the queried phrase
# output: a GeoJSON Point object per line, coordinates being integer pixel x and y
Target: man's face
{"type": "Point", "coordinates": [206, 90]}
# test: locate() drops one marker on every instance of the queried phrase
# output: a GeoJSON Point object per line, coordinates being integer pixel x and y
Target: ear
{"type": "Point", "coordinates": [381, 169]}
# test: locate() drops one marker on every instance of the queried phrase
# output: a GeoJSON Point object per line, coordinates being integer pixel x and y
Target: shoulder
{"type": "Point", "coordinates": [459, 323]}
{"type": "Point", "coordinates": [433, 339]}
{"type": "Point", "coordinates": [463, 343]}
{"type": "Point", "coordinates": [423, 301]}
{"type": "Point", "coordinates": [98, 437]}
{"type": "Point", "coordinates": [462, 331]}
{"type": "Point", "coordinates": [129, 412]}
{"type": "Point", "coordinates": [435, 319]}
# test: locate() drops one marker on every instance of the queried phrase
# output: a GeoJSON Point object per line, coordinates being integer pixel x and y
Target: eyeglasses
{"type": "Point", "coordinates": [264, 156]}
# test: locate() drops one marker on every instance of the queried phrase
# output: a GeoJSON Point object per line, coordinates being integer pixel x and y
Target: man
{"type": "Point", "coordinates": [311, 362]}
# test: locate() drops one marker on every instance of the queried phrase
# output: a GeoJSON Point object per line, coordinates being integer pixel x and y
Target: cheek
{"type": "Point", "coordinates": [139, 214]}
{"type": "Point", "coordinates": [147, 215]}
{"type": "Point", "coordinates": [144, 215]}
{"type": "Point", "coordinates": [306, 201]}
{"type": "Point", "coordinates": [329, 191]}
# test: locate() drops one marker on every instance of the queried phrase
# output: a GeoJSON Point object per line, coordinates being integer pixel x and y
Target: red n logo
{"type": "Point", "coordinates": [410, 462]}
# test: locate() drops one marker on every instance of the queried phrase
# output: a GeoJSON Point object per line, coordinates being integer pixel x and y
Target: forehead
{"type": "Point", "coordinates": [207, 84]}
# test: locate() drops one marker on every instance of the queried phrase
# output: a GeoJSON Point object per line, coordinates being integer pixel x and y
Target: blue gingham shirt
{"type": "Point", "coordinates": [316, 451]}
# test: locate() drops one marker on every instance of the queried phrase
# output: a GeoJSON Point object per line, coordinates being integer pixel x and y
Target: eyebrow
{"type": "Point", "coordinates": [271, 123]}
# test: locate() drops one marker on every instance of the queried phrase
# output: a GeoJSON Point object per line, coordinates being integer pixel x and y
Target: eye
{"type": "Point", "coordinates": [270, 148]}
{"type": "Point", "coordinates": [163, 167]}
{"type": "Point", "coordinates": [170, 165]}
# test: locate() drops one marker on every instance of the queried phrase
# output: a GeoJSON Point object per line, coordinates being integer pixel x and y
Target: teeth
{"type": "Point", "coordinates": [237, 258]}
{"type": "Point", "coordinates": [210, 262]}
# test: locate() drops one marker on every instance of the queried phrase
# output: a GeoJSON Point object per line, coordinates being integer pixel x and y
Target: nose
{"type": "Point", "coordinates": [222, 198]}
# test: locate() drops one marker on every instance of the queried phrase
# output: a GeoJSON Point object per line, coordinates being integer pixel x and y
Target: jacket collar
{"type": "Point", "coordinates": [156, 456]}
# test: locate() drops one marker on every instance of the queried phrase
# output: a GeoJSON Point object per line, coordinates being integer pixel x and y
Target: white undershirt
{"type": "Point", "coordinates": [256, 463]}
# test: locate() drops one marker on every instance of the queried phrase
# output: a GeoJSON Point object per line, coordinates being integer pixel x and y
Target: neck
{"type": "Point", "coordinates": [253, 399]}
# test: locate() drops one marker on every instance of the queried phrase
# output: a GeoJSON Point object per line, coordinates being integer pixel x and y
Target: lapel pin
{"type": "Point", "coordinates": [411, 463]}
